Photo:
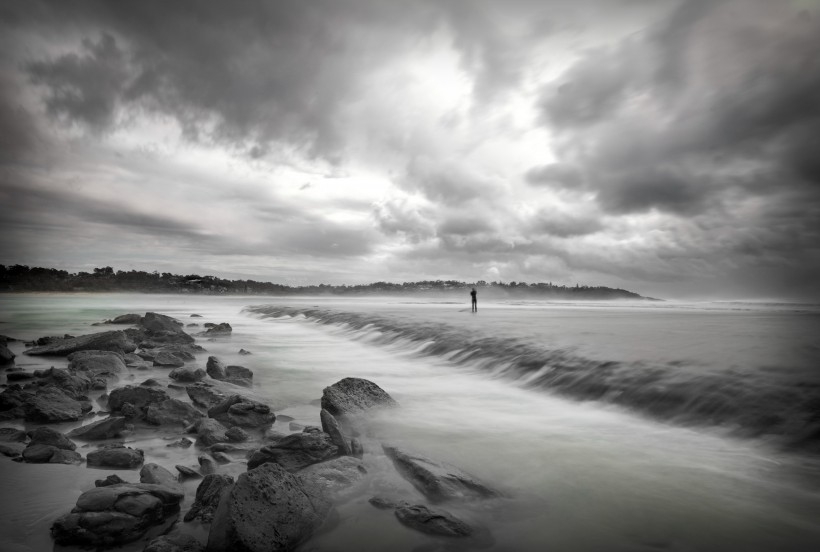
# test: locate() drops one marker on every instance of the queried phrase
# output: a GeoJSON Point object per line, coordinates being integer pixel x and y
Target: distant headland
{"type": "Point", "coordinates": [21, 278]}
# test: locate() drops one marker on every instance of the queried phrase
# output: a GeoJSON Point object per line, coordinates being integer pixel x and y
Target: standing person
{"type": "Point", "coordinates": [474, 295]}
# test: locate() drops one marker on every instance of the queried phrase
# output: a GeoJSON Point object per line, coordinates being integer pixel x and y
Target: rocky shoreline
{"type": "Point", "coordinates": [260, 489]}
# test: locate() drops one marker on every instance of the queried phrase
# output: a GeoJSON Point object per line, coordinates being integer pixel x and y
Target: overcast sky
{"type": "Point", "coordinates": [667, 147]}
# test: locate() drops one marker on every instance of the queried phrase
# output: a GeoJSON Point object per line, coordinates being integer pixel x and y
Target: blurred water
{"type": "Point", "coordinates": [579, 475]}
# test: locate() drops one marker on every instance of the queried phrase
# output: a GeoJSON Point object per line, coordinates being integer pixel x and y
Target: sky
{"type": "Point", "coordinates": [667, 147]}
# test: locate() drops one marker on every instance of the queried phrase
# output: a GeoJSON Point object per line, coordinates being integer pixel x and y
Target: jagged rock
{"type": "Point", "coordinates": [112, 479]}
{"type": "Point", "coordinates": [42, 454]}
{"type": "Point", "coordinates": [207, 497]}
{"type": "Point", "coordinates": [433, 521]}
{"type": "Point", "coordinates": [207, 465]}
{"type": "Point", "coordinates": [187, 375]}
{"type": "Point", "coordinates": [218, 330]}
{"type": "Point", "coordinates": [172, 411]}
{"type": "Point", "coordinates": [180, 443]}
{"type": "Point", "coordinates": [158, 323]}
{"type": "Point", "coordinates": [72, 384]}
{"type": "Point", "coordinates": [138, 396]}
{"type": "Point", "coordinates": [104, 341]}
{"type": "Point", "coordinates": [349, 398]}
{"type": "Point", "coordinates": [52, 405]}
{"type": "Point", "coordinates": [157, 475]}
{"type": "Point", "coordinates": [96, 364]}
{"type": "Point", "coordinates": [382, 503]}
{"type": "Point", "coordinates": [334, 475]}
{"type": "Point", "coordinates": [237, 410]}
{"type": "Point", "coordinates": [180, 542]}
{"type": "Point", "coordinates": [187, 473]}
{"type": "Point", "coordinates": [238, 372]}
{"type": "Point", "coordinates": [52, 437]}
{"type": "Point", "coordinates": [356, 448]}
{"type": "Point", "coordinates": [109, 428]}
{"type": "Point", "coordinates": [332, 428]}
{"type": "Point", "coordinates": [266, 510]}
{"type": "Point", "coordinates": [204, 395]}
{"type": "Point", "coordinates": [210, 431]}
{"type": "Point", "coordinates": [237, 434]}
{"type": "Point", "coordinates": [125, 319]}
{"type": "Point", "coordinates": [166, 359]}
{"type": "Point", "coordinates": [11, 435]}
{"type": "Point", "coordinates": [244, 352]}
{"type": "Point", "coordinates": [130, 411]}
{"type": "Point", "coordinates": [296, 451]}
{"type": "Point", "coordinates": [108, 516]}
{"type": "Point", "coordinates": [115, 456]}
{"type": "Point", "coordinates": [6, 356]}
{"type": "Point", "coordinates": [151, 382]}
{"type": "Point", "coordinates": [438, 481]}
{"type": "Point", "coordinates": [215, 368]}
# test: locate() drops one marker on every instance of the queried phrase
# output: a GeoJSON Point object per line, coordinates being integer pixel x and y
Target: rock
{"type": "Point", "coordinates": [151, 382]}
{"type": "Point", "coordinates": [158, 323]}
{"type": "Point", "coordinates": [125, 319]}
{"type": "Point", "coordinates": [104, 364]}
{"type": "Point", "coordinates": [296, 451]}
{"type": "Point", "coordinates": [138, 396]}
{"type": "Point", "coordinates": [243, 352]}
{"type": "Point", "coordinates": [332, 428]}
{"type": "Point", "coordinates": [180, 443]}
{"type": "Point", "coordinates": [218, 330]}
{"type": "Point", "coordinates": [228, 447]}
{"type": "Point", "coordinates": [192, 325]}
{"type": "Point", "coordinates": [238, 372]}
{"type": "Point", "coordinates": [187, 473]}
{"type": "Point", "coordinates": [221, 457]}
{"type": "Point", "coordinates": [215, 368]}
{"type": "Point", "coordinates": [266, 510]}
{"type": "Point", "coordinates": [130, 411]}
{"type": "Point", "coordinates": [109, 516]}
{"type": "Point", "coordinates": [180, 542]}
{"type": "Point", "coordinates": [437, 480]}
{"type": "Point", "coordinates": [19, 376]}
{"type": "Point", "coordinates": [334, 475]}
{"type": "Point", "coordinates": [311, 429]}
{"type": "Point", "coordinates": [166, 359]}
{"type": "Point", "coordinates": [42, 454]}
{"type": "Point", "coordinates": [187, 375]}
{"type": "Point", "coordinates": [207, 497]}
{"type": "Point", "coordinates": [210, 432]}
{"type": "Point", "coordinates": [11, 435]}
{"type": "Point", "coordinates": [172, 412]}
{"type": "Point", "coordinates": [382, 503]}
{"type": "Point", "coordinates": [237, 434]}
{"type": "Point", "coordinates": [202, 394]}
{"type": "Point", "coordinates": [351, 397]}
{"type": "Point", "coordinates": [104, 341]}
{"type": "Point", "coordinates": [6, 356]}
{"type": "Point", "coordinates": [356, 448]}
{"type": "Point", "coordinates": [112, 479]}
{"type": "Point", "coordinates": [196, 316]}
{"type": "Point", "coordinates": [207, 465]}
{"type": "Point", "coordinates": [157, 475]}
{"type": "Point", "coordinates": [109, 428]}
{"type": "Point", "coordinates": [237, 410]}
{"type": "Point", "coordinates": [75, 385]}
{"type": "Point", "coordinates": [52, 437]}
{"type": "Point", "coordinates": [12, 450]}
{"type": "Point", "coordinates": [52, 405]}
{"type": "Point", "coordinates": [115, 456]}
{"type": "Point", "coordinates": [432, 521]}
{"type": "Point", "coordinates": [271, 434]}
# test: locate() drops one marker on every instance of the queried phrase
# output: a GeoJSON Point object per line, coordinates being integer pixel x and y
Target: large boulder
{"type": "Point", "coordinates": [334, 475]}
{"type": "Point", "coordinates": [72, 384]}
{"type": "Point", "coordinates": [296, 451]}
{"type": "Point", "coordinates": [138, 396]}
{"type": "Point", "coordinates": [352, 397]}
{"type": "Point", "coordinates": [164, 329]}
{"type": "Point", "coordinates": [108, 428]}
{"type": "Point", "coordinates": [266, 510]}
{"type": "Point", "coordinates": [104, 341]}
{"type": "Point", "coordinates": [204, 395]}
{"type": "Point", "coordinates": [48, 445]}
{"type": "Point", "coordinates": [438, 481]}
{"type": "Point", "coordinates": [210, 432]}
{"type": "Point", "coordinates": [52, 405]}
{"type": "Point", "coordinates": [237, 410]}
{"type": "Point", "coordinates": [215, 368]}
{"type": "Point", "coordinates": [116, 456]}
{"type": "Point", "coordinates": [172, 411]}
{"type": "Point", "coordinates": [125, 319]}
{"type": "Point", "coordinates": [105, 364]}
{"type": "Point", "coordinates": [207, 497]}
{"type": "Point", "coordinates": [49, 436]}
{"type": "Point", "coordinates": [187, 375]}
{"type": "Point", "coordinates": [109, 516]}
{"type": "Point", "coordinates": [433, 521]}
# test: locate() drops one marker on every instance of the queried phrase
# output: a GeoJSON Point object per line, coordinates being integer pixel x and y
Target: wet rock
{"type": "Point", "coordinates": [151, 382]}
{"type": "Point", "coordinates": [334, 475]}
{"type": "Point", "coordinates": [116, 514]}
{"type": "Point", "coordinates": [228, 447]}
{"type": "Point", "coordinates": [210, 431]}
{"type": "Point", "coordinates": [244, 352]}
{"type": "Point", "coordinates": [109, 428]}
{"type": "Point", "coordinates": [138, 396]}
{"type": "Point", "coordinates": [187, 375]}
{"type": "Point", "coordinates": [220, 457]}
{"type": "Point", "coordinates": [383, 503]}
{"type": "Point", "coordinates": [238, 372]}
{"type": "Point", "coordinates": [356, 448]}
{"type": "Point", "coordinates": [215, 368]}
{"type": "Point", "coordinates": [438, 481]}
{"type": "Point", "coordinates": [266, 510]}
{"type": "Point", "coordinates": [11, 435]}
{"type": "Point", "coordinates": [207, 465]}
{"type": "Point", "coordinates": [179, 542]}
{"type": "Point", "coordinates": [296, 451]}
{"type": "Point", "coordinates": [42, 454]}
{"type": "Point", "coordinates": [52, 405]}
{"type": "Point", "coordinates": [104, 341]}
{"type": "Point", "coordinates": [6, 356]}
{"type": "Point", "coordinates": [157, 475]}
{"type": "Point", "coordinates": [75, 385]}
{"type": "Point", "coordinates": [159, 323]}
{"type": "Point", "coordinates": [216, 330]}
{"type": "Point", "coordinates": [196, 316]}
{"type": "Point", "coordinates": [237, 434]}
{"type": "Point", "coordinates": [187, 473]}
{"type": "Point", "coordinates": [204, 395]}
{"type": "Point", "coordinates": [180, 443]}
{"type": "Point", "coordinates": [125, 319]}
{"type": "Point", "coordinates": [237, 410]}
{"type": "Point", "coordinates": [12, 450]}
{"type": "Point", "coordinates": [112, 479]}
{"type": "Point", "coordinates": [207, 497]}
{"type": "Point", "coordinates": [433, 521]}
{"type": "Point", "coordinates": [130, 411]}
{"type": "Point", "coordinates": [166, 359]}
{"type": "Point", "coordinates": [19, 376]}
{"type": "Point", "coordinates": [49, 436]}
{"type": "Point", "coordinates": [97, 364]}
{"type": "Point", "coordinates": [115, 456]}
{"type": "Point", "coordinates": [172, 412]}
{"type": "Point", "coordinates": [331, 426]}
{"type": "Point", "coordinates": [349, 398]}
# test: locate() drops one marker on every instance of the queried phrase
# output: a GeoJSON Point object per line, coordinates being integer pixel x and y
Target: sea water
{"type": "Point", "coordinates": [606, 426]}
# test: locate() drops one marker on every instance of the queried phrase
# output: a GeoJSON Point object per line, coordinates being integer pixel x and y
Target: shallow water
{"type": "Point", "coordinates": [480, 391]}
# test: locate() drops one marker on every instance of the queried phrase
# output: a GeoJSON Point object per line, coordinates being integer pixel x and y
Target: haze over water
{"type": "Point", "coordinates": [513, 395]}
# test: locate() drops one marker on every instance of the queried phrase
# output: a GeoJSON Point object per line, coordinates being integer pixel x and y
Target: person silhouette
{"type": "Point", "coordinates": [474, 295]}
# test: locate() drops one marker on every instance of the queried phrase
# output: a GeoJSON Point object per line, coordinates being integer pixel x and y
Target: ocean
{"type": "Point", "coordinates": [620, 426]}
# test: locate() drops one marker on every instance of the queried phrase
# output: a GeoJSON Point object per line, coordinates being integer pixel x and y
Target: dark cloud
{"type": "Point", "coordinates": [557, 175]}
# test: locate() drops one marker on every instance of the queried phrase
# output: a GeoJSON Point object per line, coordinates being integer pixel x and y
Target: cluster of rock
{"type": "Point", "coordinates": [291, 480]}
